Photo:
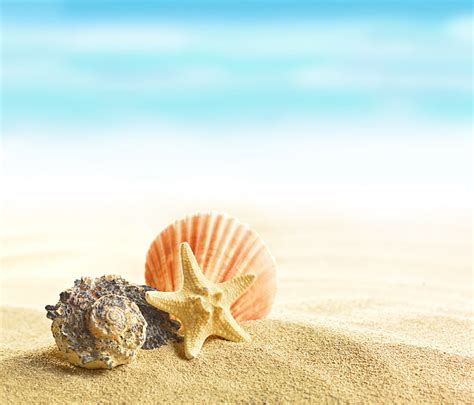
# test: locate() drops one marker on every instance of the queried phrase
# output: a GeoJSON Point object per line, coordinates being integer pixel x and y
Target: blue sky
{"type": "Point", "coordinates": [93, 64]}
{"type": "Point", "coordinates": [351, 105]}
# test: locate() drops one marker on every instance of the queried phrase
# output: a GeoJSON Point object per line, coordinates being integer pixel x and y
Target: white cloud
{"type": "Point", "coordinates": [461, 28]}
{"type": "Point", "coordinates": [56, 73]}
{"type": "Point", "coordinates": [100, 37]}
{"type": "Point", "coordinates": [345, 39]}
{"type": "Point", "coordinates": [374, 54]}
{"type": "Point", "coordinates": [366, 78]}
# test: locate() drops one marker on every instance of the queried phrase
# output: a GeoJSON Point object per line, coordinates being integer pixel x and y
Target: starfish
{"type": "Point", "coordinates": [203, 307]}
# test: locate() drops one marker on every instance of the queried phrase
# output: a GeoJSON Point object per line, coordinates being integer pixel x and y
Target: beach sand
{"type": "Point", "coordinates": [368, 311]}
{"type": "Point", "coordinates": [285, 361]}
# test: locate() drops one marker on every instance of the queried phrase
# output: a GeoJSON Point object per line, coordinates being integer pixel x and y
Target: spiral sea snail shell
{"type": "Point", "coordinates": [104, 322]}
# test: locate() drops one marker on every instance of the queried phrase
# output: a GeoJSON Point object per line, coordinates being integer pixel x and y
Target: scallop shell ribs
{"type": "Point", "coordinates": [224, 248]}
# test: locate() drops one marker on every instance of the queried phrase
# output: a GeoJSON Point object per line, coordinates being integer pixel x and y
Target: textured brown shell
{"type": "Point", "coordinates": [105, 335]}
{"type": "Point", "coordinates": [103, 322]}
{"type": "Point", "coordinates": [118, 319]}
{"type": "Point", "coordinates": [224, 248]}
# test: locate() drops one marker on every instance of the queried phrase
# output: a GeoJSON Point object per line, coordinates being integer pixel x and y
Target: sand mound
{"type": "Point", "coordinates": [284, 362]}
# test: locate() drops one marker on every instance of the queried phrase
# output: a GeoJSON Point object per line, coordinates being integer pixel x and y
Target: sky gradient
{"type": "Point", "coordinates": [97, 63]}
{"type": "Point", "coordinates": [347, 102]}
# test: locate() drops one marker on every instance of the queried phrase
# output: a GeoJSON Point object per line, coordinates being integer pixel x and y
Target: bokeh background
{"type": "Point", "coordinates": [314, 121]}
{"type": "Point", "coordinates": [349, 104]}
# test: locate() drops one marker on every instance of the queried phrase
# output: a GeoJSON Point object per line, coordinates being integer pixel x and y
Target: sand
{"type": "Point", "coordinates": [368, 311]}
{"type": "Point", "coordinates": [284, 362]}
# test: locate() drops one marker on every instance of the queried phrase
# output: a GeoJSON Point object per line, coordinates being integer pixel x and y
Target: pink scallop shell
{"type": "Point", "coordinates": [224, 248]}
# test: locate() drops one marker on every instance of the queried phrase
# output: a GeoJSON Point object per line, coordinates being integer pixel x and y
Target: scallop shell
{"type": "Point", "coordinates": [103, 322]}
{"type": "Point", "coordinates": [224, 248]}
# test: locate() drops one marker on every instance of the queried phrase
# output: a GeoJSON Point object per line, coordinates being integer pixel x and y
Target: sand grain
{"type": "Point", "coordinates": [284, 362]}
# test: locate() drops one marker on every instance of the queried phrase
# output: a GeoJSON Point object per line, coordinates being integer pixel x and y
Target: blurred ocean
{"type": "Point", "coordinates": [350, 104]}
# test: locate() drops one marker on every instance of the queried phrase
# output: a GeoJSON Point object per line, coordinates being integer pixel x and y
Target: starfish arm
{"type": "Point", "coordinates": [195, 333]}
{"type": "Point", "coordinates": [228, 328]}
{"type": "Point", "coordinates": [193, 277]}
{"type": "Point", "coordinates": [171, 302]}
{"type": "Point", "coordinates": [234, 287]}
